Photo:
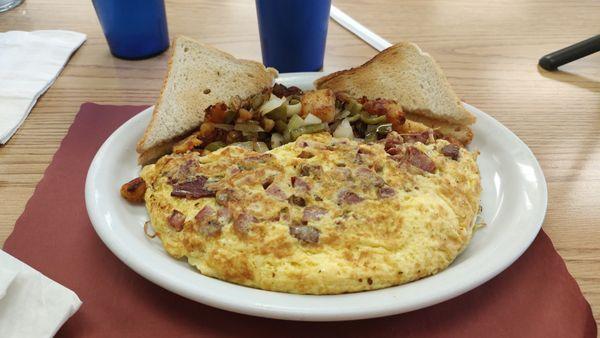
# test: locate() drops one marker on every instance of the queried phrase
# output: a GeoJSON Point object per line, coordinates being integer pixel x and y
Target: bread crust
{"type": "Point", "coordinates": [371, 71]}
{"type": "Point", "coordinates": [148, 147]}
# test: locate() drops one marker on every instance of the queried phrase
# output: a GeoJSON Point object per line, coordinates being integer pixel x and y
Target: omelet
{"type": "Point", "coordinates": [320, 215]}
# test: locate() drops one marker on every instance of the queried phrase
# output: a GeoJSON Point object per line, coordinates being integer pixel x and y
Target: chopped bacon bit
{"type": "Point", "coordinates": [419, 159]}
{"type": "Point", "coordinates": [452, 151]}
{"type": "Point", "coordinates": [386, 192]}
{"type": "Point", "coordinates": [348, 197]}
{"type": "Point", "coordinates": [305, 154]}
{"type": "Point", "coordinates": [192, 189]}
{"type": "Point", "coordinates": [241, 224]}
{"type": "Point", "coordinates": [216, 113]}
{"type": "Point", "coordinates": [134, 190]}
{"type": "Point", "coordinates": [176, 220]}
{"type": "Point", "coordinates": [275, 191]}
{"type": "Point", "coordinates": [305, 233]}
{"type": "Point", "coordinates": [313, 213]}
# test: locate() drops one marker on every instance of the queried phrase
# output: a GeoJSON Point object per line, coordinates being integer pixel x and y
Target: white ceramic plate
{"type": "Point", "coordinates": [514, 204]}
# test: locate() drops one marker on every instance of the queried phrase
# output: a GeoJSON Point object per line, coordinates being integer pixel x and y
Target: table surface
{"type": "Point", "coordinates": [488, 49]}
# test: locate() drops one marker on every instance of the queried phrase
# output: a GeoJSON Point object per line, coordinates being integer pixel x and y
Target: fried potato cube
{"type": "Point", "coordinates": [320, 103]}
{"type": "Point", "coordinates": [134, 190]}
{"type": "Point", "coordinates": [187, 144]}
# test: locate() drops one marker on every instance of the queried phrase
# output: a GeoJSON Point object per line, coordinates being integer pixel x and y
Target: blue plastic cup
{"type": "Point", "coordinates": [293, 33]}
{"type": "Point", "coordinates": [134, 29]}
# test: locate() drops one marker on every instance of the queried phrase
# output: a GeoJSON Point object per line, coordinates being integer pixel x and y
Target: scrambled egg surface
{"type": "Point", "coordinates": [316, 216]}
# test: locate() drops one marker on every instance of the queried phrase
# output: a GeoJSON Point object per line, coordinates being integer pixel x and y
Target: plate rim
{"type": "Point", "coordinates": [264, 310]}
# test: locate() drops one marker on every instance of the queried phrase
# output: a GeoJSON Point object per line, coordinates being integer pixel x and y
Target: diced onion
{"type": "Point", "coordinates": [311, 119]}
{"type": "Point", "coordinates": [248, 127]}
{"type": "Point", "coordinates": [223, 126]}
{"type": "Point", "coordinates": [343, 114]}
{"type": "Point", "coordinates": [276, 140]}
{"type": "Point", "coordinates": [260, 147]}
{"type": "Point", "coordinates": [248, 145]}
{"type": "Point", "coordinates": [344, 130]}
{"type": "Point", "coordinates": [295, 122]}
{"type": "Point", "coordinates": [273, 103]}
{"type": "Point", "coordinates": [293, 109]}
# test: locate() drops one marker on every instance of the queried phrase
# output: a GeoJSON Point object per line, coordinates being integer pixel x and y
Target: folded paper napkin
{"type": "Point", "coordinates": [31, 305]}
{"type": "Point", "coordinates": [29, 64]}
{"type": "Point", "coordinates": [534, 297]}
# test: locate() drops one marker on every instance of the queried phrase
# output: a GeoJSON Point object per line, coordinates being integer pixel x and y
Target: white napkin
{"type": "Point", "coordinates": [31, 304]}
{"type": "Point", "coordinates": [29, 64]}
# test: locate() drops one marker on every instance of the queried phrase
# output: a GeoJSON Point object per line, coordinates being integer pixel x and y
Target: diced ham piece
{"type": "Point", "coordinates": [223, 215]}
{"type": "Point", "coordinates": [369, 176]}
{"type": "Point", "coordinates": [210, 225]}
{"type": "Point", "coordinates": [204, 214]}
{"type": "Point", "coordinates": [305, 154]}
{"type": "Point", "coordinates": [192, 189]}
{"type": "Point", "coordinates": [176, 220]}
{"type": "Point", "coordinates": [300, 184]}
{"type": "Point", "coordinates": [224, 196]}
{"type": "Point", "coordinates": [452, 151]}
{"type": "Point", "coordinates": [386, 192]}
{"type": "Point", "coordinates": [243, 222]}
{"type": "Point", "coordinates": [305, 233]}
{"type": "Point", "coordinates": [297, 200]}
{"type": "Point", "coordinates": [310, 169]}
{"type": "Point", "coordinates": [423, 137]}
{"type": "Point", "coordinates": [211, 229]}
{"type": "Point", "coordinates": [313, 213]}
{"type": "Point", "coordinates": [348, 197]}
{"type": "Point", "coordinates": [419, 159]}
{"type": "Point", "coordinates": [275, 191]}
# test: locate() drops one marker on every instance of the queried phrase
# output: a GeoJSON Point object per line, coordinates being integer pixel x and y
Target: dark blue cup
{"type": "Point", "coordinates": [134, 29]}
{"type": "Point", "coordinates": [293, 33]}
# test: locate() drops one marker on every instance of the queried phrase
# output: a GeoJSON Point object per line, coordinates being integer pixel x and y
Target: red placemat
{"type": "Point", "coordinates": [535, 297]}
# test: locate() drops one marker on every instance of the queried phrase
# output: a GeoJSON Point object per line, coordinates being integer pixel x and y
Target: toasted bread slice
{"type": "Point", "coordinates": [198, 76]}
{"type": "Point", "coordinates": [406, 74]}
